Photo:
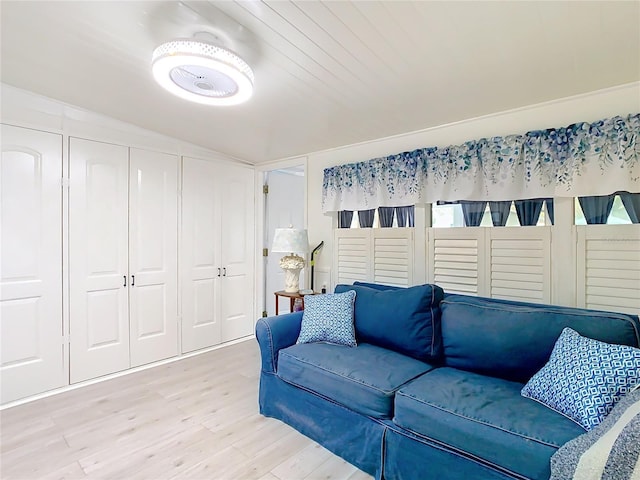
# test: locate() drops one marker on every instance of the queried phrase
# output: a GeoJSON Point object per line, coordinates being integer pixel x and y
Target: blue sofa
{"type": "Point", "coordinates": [432, 391]}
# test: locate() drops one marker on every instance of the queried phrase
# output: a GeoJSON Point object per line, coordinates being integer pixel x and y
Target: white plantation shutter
{"type": "Point", "coordinates": [608, 267]}
{"type": "Point", "coordinates": [393, 256]}
{"type": "Point", "coordinates": [456, 259]}
{"type": "Point", "coordinates": [352, 256]}
{"type": "Point", "coordinates": [380, 255]}
{"type": "Point", "coordinates": [520, 266]}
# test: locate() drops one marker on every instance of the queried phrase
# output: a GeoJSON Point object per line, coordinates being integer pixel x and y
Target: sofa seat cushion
{"type": "Point", "coordinates": [363, 378]}
{"type": "Point", "coordinates": [485, 417]}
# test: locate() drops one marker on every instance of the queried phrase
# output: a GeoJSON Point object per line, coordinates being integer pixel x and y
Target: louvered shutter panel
{"type": "Point", "coordinates": [608, 259]}
{"type": "Point", "coordinates": [353, 251]}
{"type": "Point", "coordinates": [455, 259]}
{"type": "Point", "coordinates": [393, 256]}
{"type": "Point", "coordinates": [520, 264]}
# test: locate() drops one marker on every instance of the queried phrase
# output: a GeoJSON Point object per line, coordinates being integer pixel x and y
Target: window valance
{"type": "Point", "coordinates": [579, 160]}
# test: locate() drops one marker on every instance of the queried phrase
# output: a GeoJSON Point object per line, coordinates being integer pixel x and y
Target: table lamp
{"type": "Point", "coordinates": [291, 240]}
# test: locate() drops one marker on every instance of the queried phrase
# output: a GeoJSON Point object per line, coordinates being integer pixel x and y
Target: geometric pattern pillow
{"type": "Point", "coordinates": [585, 378]}
{"type": "Point", "coordinates": [328, 318]}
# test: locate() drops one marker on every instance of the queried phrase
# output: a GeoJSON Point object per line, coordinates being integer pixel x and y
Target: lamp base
{"type": "Point", "coordinates": [292, 280]}
{"type": "Point", "coordinates": [292, 265]}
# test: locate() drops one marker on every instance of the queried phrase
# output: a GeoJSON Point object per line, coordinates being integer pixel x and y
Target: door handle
{"type": "Point", "coordinates": [218, 271]}
{"type": "Point", "coordinates": [125, 280]}
{"type": "Point", "coordinates": [224, 272]}
{"type": "Point", "coordinates": [133, 280]}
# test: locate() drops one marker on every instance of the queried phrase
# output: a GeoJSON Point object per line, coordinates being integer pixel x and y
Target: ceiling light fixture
{"type": "Point", "coordinates": [202, 72]}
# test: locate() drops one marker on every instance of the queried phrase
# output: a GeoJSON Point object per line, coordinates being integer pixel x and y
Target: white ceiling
{"type": "Point", "coordinates": [327, 73]}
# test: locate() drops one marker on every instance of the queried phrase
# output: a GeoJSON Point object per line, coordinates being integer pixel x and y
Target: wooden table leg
{"type": "Point", "coordinates": [277, 303]}
{"type": "Point", "coordinates": [291, 299]}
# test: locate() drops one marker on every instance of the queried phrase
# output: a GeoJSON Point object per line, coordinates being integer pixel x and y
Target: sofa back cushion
{"type": "Point", "coordinates": [405, 320]}
{"type": "Point", "coordinates": [377, 286]}
{"type": "Point", "coordinates": [513, 340]}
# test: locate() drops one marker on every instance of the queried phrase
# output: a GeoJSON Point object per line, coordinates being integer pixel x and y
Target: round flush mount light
{"type": "Point", "coordinates": [202, 72]}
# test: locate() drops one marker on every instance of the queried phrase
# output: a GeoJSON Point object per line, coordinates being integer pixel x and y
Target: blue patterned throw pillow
{"type": "Point", "coordinates": [585, 378]}
{"type": "Point", "coordinates": [328, 318]}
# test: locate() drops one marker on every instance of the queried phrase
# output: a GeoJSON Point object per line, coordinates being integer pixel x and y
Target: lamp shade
{"type": "Point", "coordinates": [290, 240]}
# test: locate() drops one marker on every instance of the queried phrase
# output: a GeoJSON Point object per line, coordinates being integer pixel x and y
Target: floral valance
{"type": "Point", "coordinates": [579, 160]}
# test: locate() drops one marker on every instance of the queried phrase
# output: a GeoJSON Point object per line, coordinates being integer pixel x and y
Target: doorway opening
{"type": "Point", "coordinates": [284, 207]}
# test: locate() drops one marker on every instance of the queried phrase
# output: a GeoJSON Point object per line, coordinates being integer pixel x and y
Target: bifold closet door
{"type": "Point", "coordinates": [153, 256]}
{"type": "Point", "coordinates": [238, 247]}
{"type": "Point", "coordinates": [32, 342]}
{"type": "Point", "coordinates": [201, 268]}
{"type": "Point", "coordinates": [98, 258]}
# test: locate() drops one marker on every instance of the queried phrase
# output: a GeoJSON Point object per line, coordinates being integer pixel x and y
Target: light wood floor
{"type": "Point", "coordinates": [192, 419]}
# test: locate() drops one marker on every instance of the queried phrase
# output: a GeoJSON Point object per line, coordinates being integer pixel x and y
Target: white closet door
{"type": "Point", "coordinates": [98, 232]}
{"type": "Point", "coordinates": [153, 256]}
{"type": "Point", "coordinates": [200, 255]}
{"type": "Point", "coordinates": [238, 246]}
{"type": "Point", "coordinates": [31, 358]}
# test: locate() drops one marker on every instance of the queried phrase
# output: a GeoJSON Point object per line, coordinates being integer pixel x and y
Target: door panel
{"type": "Point", "coordinates": [204, 305]}
{"type": "Point", "coordinates": [236, 319]}
{"type": "Point", "coordinates": [98, 232]}
{"type": "Point", "coordinates": [153, 322]}
{"type": "Point", "coordinates": [102, 308]}
{"type": "Point", "coordinates": [238, 246]}
{"type": "Point", "coordinates": [200, 255]}
{"type": "Point", "coordinates": [31, 358]}
{"type": "Point", "coordinates": [153, 256]}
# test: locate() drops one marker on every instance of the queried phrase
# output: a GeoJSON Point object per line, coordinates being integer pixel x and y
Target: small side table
{"type": "Point", "coordinates": [292, 297]}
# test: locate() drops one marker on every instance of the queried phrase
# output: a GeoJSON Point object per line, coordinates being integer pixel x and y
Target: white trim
{"type": "Point", "coordinates": [262, 169]}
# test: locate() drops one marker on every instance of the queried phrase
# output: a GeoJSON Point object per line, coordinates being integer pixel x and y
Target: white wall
{"type": "Point", "coordinates": [588, 107]}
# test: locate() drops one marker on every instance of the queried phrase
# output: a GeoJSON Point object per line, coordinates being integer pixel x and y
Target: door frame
{"type": "Point", "coordinates": [262, 296]}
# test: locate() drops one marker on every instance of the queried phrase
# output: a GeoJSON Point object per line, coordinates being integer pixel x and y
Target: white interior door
{"type": "Point", "coordinates": [153, 256]}
{"type": "Point", "coordinates": [238, 247]}
{"type": "Point", "coordinates": [285, 206]}
{"type": "Point", "coordinates": [200, 255]}
{"type": "Point", "coordinates": [98, 232]}
{"type": "Point", "coordinates": [31, 358]}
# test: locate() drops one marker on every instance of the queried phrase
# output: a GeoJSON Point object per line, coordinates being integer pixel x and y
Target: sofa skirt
{"type": "Point", "coordinates": [356, 438]}
{"type": "Point", "coordinates": [409, 457]}
{"type": "Point", "coordinates": [378, 447]}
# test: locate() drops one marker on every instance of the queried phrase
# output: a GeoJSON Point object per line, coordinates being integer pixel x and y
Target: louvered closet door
{"type": "Point", "coordinates": [98, 232]}
{"type": "Point", "coordinates": [237, 254]}
{"type": "Point", "coordinates": [31, 263]}
{"type": "Point", "coordinates": [200, 255]}
{"type": "Point", "coordinates": [153, 256]}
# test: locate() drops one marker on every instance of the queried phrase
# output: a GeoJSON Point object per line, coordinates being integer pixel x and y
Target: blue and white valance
{"type": "Point", "coordinates": [579, 160]}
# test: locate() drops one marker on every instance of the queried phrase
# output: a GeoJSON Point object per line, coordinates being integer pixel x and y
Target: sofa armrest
{"type": "Point", "coordinates": [274, 334]}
